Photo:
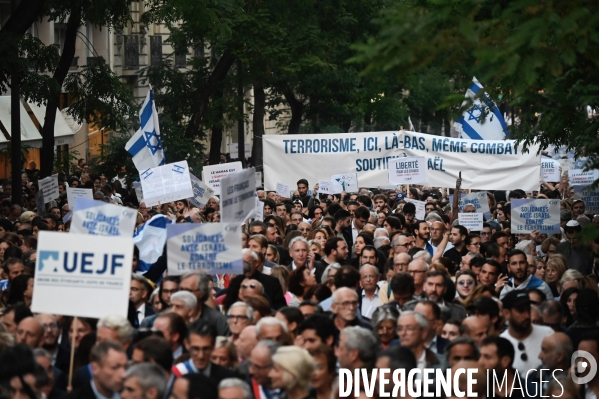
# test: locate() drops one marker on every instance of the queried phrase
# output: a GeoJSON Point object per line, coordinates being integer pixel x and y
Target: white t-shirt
{"type": "Point", "coordinates": [532, 348]}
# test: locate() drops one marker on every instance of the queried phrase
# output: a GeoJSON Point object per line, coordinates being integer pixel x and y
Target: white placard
{"type": "Point", "coordinates": [485, 164]}
{"type": "Point", "coordinates": [550, 170]}
{"type": "Point", "coordinates": [201, 192]}
{"type": "Point", "coordinates": [49, 186]}
{"type": "Point", "coordinates": [590, 198]}
{"type": "Point", "coordinates": [284, 190]}
{"type": "Point", "coordinates": [238, 193]}
{"type": "Point", "coordinates": [326, 187]}
{"type": "Point", "coordinates": [73, 193]}
{"type": "Point", "coordinates": [420, 208]}
{"type": "Point", "coordinates": [76, 276]}
{"type": "Point", "coordinates": [214, 248]}
{"type": "Point", "coordinates": [578, 177]}
{"type": "Point", "coordinates": [347, 182]}
{"type": "Point", "coordinates": [471, 221]}
{"type": "Point", "coordinates": [542, 215]}
{"type": "Point", "coordinates": [408, 170]}
{"type": "Point", "coordinates": [259, 210]}
{"type": "Point", "coordinates": [166, 183]}
{"type": "Point", "coordinates": [211, 174]}
{"type": "Point", "coordinates": [102, 219]}
{"type": "Point", "coordinates": [234, 150]}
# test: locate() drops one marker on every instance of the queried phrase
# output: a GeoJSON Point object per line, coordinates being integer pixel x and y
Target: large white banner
{"type": "Point", "coordinates": [238, 198]}
{"type": "Point", "coordinates": [102, 219]}
{"type": "Point", "coordinates": [211, 247]}
{"type": "Point", "coordinates": [485, 164]}
{"type": "Point", "coordinates": [76, 276]}
{"type": "Point", "coordinates": [541, 215]}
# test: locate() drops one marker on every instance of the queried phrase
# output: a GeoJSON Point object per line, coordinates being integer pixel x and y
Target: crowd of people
{"type": "Point", "coordinates": [344, 281]}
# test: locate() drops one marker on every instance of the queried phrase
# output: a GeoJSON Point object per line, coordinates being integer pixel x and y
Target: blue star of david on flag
{"type": "Point", "coordinates": [483, 120]}
{"type": "Point", "coordinates": [145, 146]}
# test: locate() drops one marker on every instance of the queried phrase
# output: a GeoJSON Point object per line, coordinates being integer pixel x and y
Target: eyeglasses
{"type": "Point", "coordinates": [466, 282]}
{"type": "Point", "coordinates": [51, 326]}
{"type": "Point", "coordinates": [246, 286]}
{"type": "Point", "coordinates": [523, 356]}
{"type": "Point", "coordinates": [416, 271]}
{"type": "Point", "coordinates": [410, 329]}
{"type": "Point", "coordinates": [476, 244]}
{"type": "Point", "coordinates": [347, 304]}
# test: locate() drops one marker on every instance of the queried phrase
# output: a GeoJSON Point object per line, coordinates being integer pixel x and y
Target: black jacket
{"type": "Point", "coordinates": [272, 288]}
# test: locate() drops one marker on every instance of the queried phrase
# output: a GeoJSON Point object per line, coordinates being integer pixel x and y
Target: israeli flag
{"type": "Point", "coordinates": [145, 146]}
{"type": "Point", "coordinates": [482, 121]}
{"type": "Point", "coordinates": [150, 239]}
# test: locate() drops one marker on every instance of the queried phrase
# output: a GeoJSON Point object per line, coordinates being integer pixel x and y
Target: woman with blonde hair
{"type": "Point", "coordinates": [224, 353]}
{"type": "Point", "coordinates": [292, 371]}
{"type": "Point", "coordinates": [556, 267]}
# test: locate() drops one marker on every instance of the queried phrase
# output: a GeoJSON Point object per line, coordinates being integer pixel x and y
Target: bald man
{"type": "Point", "coordinates": [476, 328]}
{"type": "Point", "coordinates": [244, 344]}
{"type": "Point", "coordinates": [556, 350]}
{"type": "Point", "coordinates": [30, 332]}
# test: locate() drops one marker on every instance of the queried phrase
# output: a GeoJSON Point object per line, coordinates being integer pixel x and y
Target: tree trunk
{"type": "Point", "coordinates": [214, 81]}
{"type": "Point", "coordinates": [258, 124]}
{"type": "Point", "coordinates": [25, 14]}
{"type": "Point", "coordinates": [66, 58]}
{"type": "Point", "coordinates": [217, 129]}
{"type": "Point", "coordinates": [297, 110]}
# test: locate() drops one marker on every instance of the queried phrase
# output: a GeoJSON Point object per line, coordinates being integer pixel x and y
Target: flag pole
{"type": "Point", "coordinates": [70, 385]}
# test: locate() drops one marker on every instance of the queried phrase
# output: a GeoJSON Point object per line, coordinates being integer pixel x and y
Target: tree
{"type": "Point", "coordinates": [540, 58]}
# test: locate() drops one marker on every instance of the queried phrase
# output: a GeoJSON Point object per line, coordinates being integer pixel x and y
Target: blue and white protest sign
{"type": "Point", "coordinates": [212, 174]}
{"type": "Point", "coordinates": [578, 177]}
{"type": "Point", "coordinates": [550, 170]}
{"type": "Point", "coordinates": [201, 192]}
{"type": "Point", "coordinates": [49, 186]}
{"type": "Point", "coordinates": [408, 170]}
{"type": "Point", "coordinates": [214, 248]}
{"type": "Point", "coordinates": [145, 146]}
{"type": "Point", "coordinates": [166, 183]}
{"type": "Point", "coordinates": [347, 182]}
{"type": "Point", "coordinates": [76, 276]}
{"type": "Point", "coordinates": [76, 192]}
{"type": "Point", "coordinates": [102, 219]}
{"type": "Point", "coordinates": [483, 120]}
{"type": "Point", "coordinates": [541, 215]}
{"type": "Point", "coordinates": [471, 221]}
{"type": "Point", "coordinates": [485, 164]}
{"type": "Point", "coordinates": [138, 191]}
{"type": "Point", "coordinates": [238, 196]}
{"type": "Point", "coordinates": [589, 196]}
{"type": "Point", "coordinates": [479, 200]}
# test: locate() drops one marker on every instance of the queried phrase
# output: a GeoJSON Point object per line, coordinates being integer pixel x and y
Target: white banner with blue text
{"type": "Point", "coordinates": [541, 215]}
{"type": "Point", "coordinates": [102, 219]}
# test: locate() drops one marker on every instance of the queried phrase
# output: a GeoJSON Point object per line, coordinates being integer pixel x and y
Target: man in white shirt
{"type": "Point", "coordinates": [369, 294]}
{"type": "Point", "coordinates": [524, 336]}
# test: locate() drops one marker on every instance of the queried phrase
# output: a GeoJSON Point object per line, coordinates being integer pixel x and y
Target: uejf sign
{"type": "Point", "coordinates": [82, 277]}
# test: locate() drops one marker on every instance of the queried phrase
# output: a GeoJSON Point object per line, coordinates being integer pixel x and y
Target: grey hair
{"type": "Point", "coordinates": [236, 383]}
{"type": "Point", "coordinates": [524, 246]}
{"type": "Point", "coordinates": [41, 352]}
{"type": "Point", "coordinates": [149, 376]}
{"type": "Point", "coordinates": [249, 311]}
{"type": "Point", "coordinates": [124, 331]}
{"type": "Point", "coordinates": [338, 292]}
{"type": "Point", "coordinates": [381, 230]}
{"type": "Point", "coordinates": [216, 199]}
{"type": "Point", "coordinates": [203, 282]}
{"type": "Point", "coordinates": [380, 241]}
{"type": "Point", "coordinates": [376, 270]}
{"type": "Point", "coordinates": [325, 274]}
{"type": "Point", "coordinates": [418, 261]}
{"type": "Point", "coordinates": [383, 313]}
{"type": "Point", "coordinates": [424, 255]}
{"type": "Point", "coordinates": [187, 298]}
{"type": "Point", "coordinates": [296, 239]}
{"type": "Point", "coordinates": [246, 251]}
{"type": "Point", "coordinates": [420, 319]}
{"type": "Point", "coordinates": [361, 339]}
{"type": "Point", "coordinates": [259, 285]}
{"type": "Point", "coordinates": [154, 294]}
{"type": "Point", "coordinates": [469, 205]}
{"type": "Point", "coordinates": [140, 279]}
{"type": "Point", "coordinates": [270, 321]}
{"type": "Point", "coordinates": [374, 216]}
{"type": "Point", "coordinates": [434, 216]}
{"type": "Point", "coordinates": [269, 344]}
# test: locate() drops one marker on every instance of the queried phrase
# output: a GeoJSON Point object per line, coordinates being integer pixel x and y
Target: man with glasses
{"type": "Point", "coordinates": [411, 327]}
{"type": "Point", "coordinates": [417, 269]}
{"type": "Point", "coordinates": [260, 364]}
{"type": "Point", "coordinates": [240, 316]}
{"type": "Point", "coordinates": [524, 336]}
{"type": "Point", "coordinates": [402, 244]}
{"type": "Point", "coordinates": [485, 234]}
{"type": "Point", "coordinates": [345, 309]}
{"type": "Point", "coordinates": [51, 333]}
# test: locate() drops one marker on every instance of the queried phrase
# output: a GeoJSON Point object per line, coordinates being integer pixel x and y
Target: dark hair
{"type": "Point", "coordinates": [436, 273]}
{"type": "Point", "coordinates": [292, 315]}
{"type": "Point", "coordinates": [320, 291]}
{"type": "Point", "coordinates": [296, 278]}
{"type": "Point", "coordinates": [347, 276]}
{"type": "Point", "coordinates": [539, 292]}
{"type": "Point", "coordinates": [399, 357]}
{"type": "Point", "coordinates": [203, 329]}
{"type": "Point", "coordinates": [176, 325]}
{"type": "Point", "coordinates": [328, 353]}
{"type": "Point", "coordinates": [100, 350]}
{"type": "Point", "coordinates": [157, 350]}
{"type": "Point", "coordinates": [362, 213]}
{"type": "Point", "coordinates": [463, 231]}
{"type": "Point", "coordinates": [303, 181]}
{"type": "Point", "coordinates": [394, 222]}
{"type": "Point", "coordinates": [515, 252]}
{"type": "Point", "coordinates": [365, 200]}
{"type": "Point", "coordinates": [18, 286]}
{"type": "Point", "coordinates": [493, 263]}
{"type": "Point", "coordinates": [322, 325]}
{"type": "Point", "coordinates": [403, 282]}
{"type": "Point", "coordinates": [497, 235]}
{"type": "Point", "coordinates": [504, 347]}
{"type": "Point", "coordinates": [174, 279]}
{"type": "Point", "coordinates": [331, 244]}
{"type": "Point", "coordinates": [434, 306]}
{"type": "Point", "coordinates": [201, 386]}
{"type": "Point", "coordinates": [21, 311]}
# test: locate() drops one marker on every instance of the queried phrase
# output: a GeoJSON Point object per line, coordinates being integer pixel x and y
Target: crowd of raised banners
{"type": "Point", "coordinates": [394, 250]}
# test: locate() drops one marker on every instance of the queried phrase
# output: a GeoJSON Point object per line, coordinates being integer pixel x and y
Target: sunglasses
{"type": "Point", "coordinates": [523, 356]}
{"type": "Point", "coordinates": [246, 286]}
{"type": "Point", "coordinates": [464, 282]}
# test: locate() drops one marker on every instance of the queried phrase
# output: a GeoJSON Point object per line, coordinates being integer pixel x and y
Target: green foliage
{"type": "Point", "coordinates": [539, 56]}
